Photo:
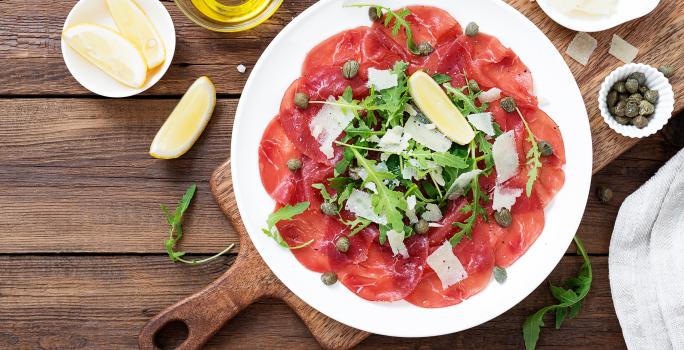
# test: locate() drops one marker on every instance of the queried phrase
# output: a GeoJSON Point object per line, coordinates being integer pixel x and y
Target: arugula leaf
{"type": "Point", "coordinates": [285, 213]}
{"type": "Point", "coordinates": [399, 18]}
{"type": "Point", "coordinates": [385, 201]}
{"type": "Point", "coordinates": [465, 103]}
{"type": "Point", "coordinates": [533, 157]}
{"type": "Point", "coordinates": [175, 222]}
{"type": "Point", "coordinates": [475, 207]}
{"type": "Point", "coordinates": [570, 300]}
{"type": "Point", "coordinates": [441, 78]}
{"type": "Point", "coordinates": [449, 160]}
{"type": "Point", "coordinates": [324, 192]}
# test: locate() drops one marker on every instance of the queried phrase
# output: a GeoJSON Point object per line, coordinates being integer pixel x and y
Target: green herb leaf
{"type": "Point", "coordinates": [533, 157]}
{"type": "Point", "coordinates": [175, 221]}
{"type": "Point", "coordinates": [446, 159]}
{"type": "Point", "coordinates": [399, 18]}
{"type": "Point", "coordinates": [324, 192]}
{"type": "Point", "coordinates": [285, 213]}
{"type": "Point", "coordinates": [570, 300]}
{"type": "Point", "coordinates": [500, 274]}
{"type": "Point", "coordinates": [441, 78]}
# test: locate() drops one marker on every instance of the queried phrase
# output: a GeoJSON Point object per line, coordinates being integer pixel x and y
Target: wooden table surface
{"type": "Point", "coordinates": [82, 261]}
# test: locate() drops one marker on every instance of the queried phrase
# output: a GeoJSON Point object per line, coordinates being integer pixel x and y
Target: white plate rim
{"type": "Point", "coordinates": [388, 318]}
{"type": "Point", "coordinates": [91, 77]}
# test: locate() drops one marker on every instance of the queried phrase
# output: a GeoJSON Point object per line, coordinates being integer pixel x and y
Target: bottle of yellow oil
{"type": "Point", "coordinates": [228, 15]}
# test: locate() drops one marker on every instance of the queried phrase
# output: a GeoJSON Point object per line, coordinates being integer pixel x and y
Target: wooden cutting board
{"type": "Point", "coordinates": [658, 36]}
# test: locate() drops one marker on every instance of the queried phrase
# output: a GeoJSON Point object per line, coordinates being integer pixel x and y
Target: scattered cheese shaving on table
{"type": "Point", "coordinates": [582, 47]}
{"type": "Point", "coordinates": [381, 79]}
{"type": "Point", "coordinates": [622, 50]}
{"type": "Point", "coordinates": [328, 124]}
{"type": "Point", "coordinates": [446, 265]}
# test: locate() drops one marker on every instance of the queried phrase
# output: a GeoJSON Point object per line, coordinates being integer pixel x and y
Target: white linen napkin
{"type": "Point", "coordinates": [646, 261]}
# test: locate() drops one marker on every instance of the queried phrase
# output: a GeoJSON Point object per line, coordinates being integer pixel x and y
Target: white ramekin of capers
{"type": "Point", "coordinates": [636, 100]}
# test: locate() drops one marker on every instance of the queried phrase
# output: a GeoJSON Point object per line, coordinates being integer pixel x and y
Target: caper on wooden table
{"type": "Point", "coordinates": [604, 194]}
{"type": "Point", "coordinates": [666, 70]}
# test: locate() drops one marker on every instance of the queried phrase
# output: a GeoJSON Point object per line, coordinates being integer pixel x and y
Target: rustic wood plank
{"type": "Point", "coordinates": [102, 302]}
{"type": "Point", "coordinates": [76, 177]}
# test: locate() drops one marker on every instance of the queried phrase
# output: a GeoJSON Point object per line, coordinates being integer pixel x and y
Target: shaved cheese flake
{"type": "Point", "coordinates": [446, 265]}
{"type": "Point", "coordinates": [432, 213]}
{"type": "Point", "coordinates": [411, 215]}
{"type": "Point", "coordinates": [482, 122]}
{"type": "Point", "coordinates": [430, 138]}
{"type": "Point", "coordinates": [437, 176]}
{"type": "Point", "coordinates": [328, 124]}
{"type": "Point", "coordinates": [434, 224]}
{"type": "Point", "coordinates": [394, 140]}
{"type": "Point", "coordinates": [359, 203]}
{"type": "Point", "coordinates": [505, 197]}
{"type": "Point", "coordinates": [381, 79]}
{"type": "Point", "coordinates": [586, 7]}
{"type": "Point", "coordinates": [490, 95]}
{"type": "Point", "coordinates": [408, 173]}
{"type": "Point", "coordinates": [408, 108]}
{"type": "Point", "coordinates": [396, 242]}
{"type": "Point", "coordinates": [462, 181]}
{"type": "Point", "coordinates": [581, 47]}
{"type": "Point", "coordinates": [373, 139]}
{"type": "Point", "coordinates": [623, 50]}
{"type": "Point", "coordinates": [411, 202]}
{"type": "Point", "coordinates": [505, 156]}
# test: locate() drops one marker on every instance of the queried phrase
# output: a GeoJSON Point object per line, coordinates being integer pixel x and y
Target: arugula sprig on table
{"type": "Point", "coordinates": [570, 298]}
{"type": "Point", "coordinates": [175, 221]}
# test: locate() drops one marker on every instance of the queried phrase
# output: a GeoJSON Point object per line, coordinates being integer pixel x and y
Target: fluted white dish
{"type": "Point", "coordinates": [625, 10]}
{"type": "Point", "coordinates": [654, 81]}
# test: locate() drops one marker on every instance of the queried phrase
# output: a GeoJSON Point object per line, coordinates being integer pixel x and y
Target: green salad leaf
{"type": "Point", "coordinates": [533, 157]}
{"type": "Point", "coordinates": [287, 212]}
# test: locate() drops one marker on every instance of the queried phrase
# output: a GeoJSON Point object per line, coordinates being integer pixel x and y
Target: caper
{"type": "Point", "coordinates": [666, 70]}
{"type": "Point", "coordinates": [611, 110]}
{"type": "Point", "coordinates": [503, 217]}
{"type": "Point", "coordinates": [612, 98]}
{"type": "Point", "coordinates": [622, 97]}
{"type": "Point", "coordinates": [421, 227]}
{"type": "Point", "coordinates": [631, 109]}
{"type": "Point", "coordinates": [329, 278]}
{"type": "Point", "coordinates": [472, 29]}
{"type": "Point", "coordinates": [424, 48]}
{"type": "Point", "coordinates": [301, 100]}
{"type": "Point", "coordinates": [329, 208]}
{"type": "Point", "coordinates": [620, 87]}
{"type": "Point", "coordinates": [639, 77]}
{"type": "Point", "coordinates": [620, 108]}
{"type": "Point", "coordinates": [642, 90]}
{"type": "Point", "coordinates": [651, 96]}
{"type": "Point", "coordinates": [632, 85]}
{"type": "Point", "coordinates": [545, 148]}
{"type": "Point", "coordinates": [508, 104]}
{"type": "Point", "coordinates": [342, 244]}
{"type": "Point", "coordinates": [294, 164]}
{"type": "Point", "coordinates": [623, 120]}
{"type": "Point", "coordinates": [635, 97]}
{"type": "Point", "coordinates": [604, 194]}
{"type": "Point", "coordinates": [374, 13]}
{"type": "Point", "coordinates": [473, 86]}
{"type": "Point", "coordinates": [640, 122]}
{"type": "Point", "coordinates": [646, 108]}
{"type": "Point", "coordinates": [350, 69]}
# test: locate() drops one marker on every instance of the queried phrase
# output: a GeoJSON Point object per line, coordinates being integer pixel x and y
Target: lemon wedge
{"type": "Point", "coordinates": [135, 26]}
{"type": "Point", "coordinates": [438, 108]}
{"type": "Point", "coordinates": [187, 121]}
{"type": "Point", "coordinates": [109, 51]}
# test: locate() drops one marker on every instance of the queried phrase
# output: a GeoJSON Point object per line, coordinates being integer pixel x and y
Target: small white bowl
{"type": "Point", "coordinates": [625, 10]}
{"type": "Point", "coordinates": [654, 81]}
{"type": "Point", "coordinates": [94, 79]}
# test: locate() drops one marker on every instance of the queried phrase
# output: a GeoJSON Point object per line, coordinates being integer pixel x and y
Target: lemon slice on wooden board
{"type": "Point", "coordinates": [438, 108]}
{"type": "Point", "coordinates": [135, 26]}
{"type": "Point", "coordinates": [187, 121]}
{"type": "Point", "coordinates": [109, 51]}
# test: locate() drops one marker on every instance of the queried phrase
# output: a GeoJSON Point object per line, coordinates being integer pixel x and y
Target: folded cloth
{"type": "Point", "coordinates": [646, 261]}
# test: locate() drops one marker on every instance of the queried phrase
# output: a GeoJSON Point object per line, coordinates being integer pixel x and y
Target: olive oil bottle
{"type": "Point", "coordinates": [231, 11]}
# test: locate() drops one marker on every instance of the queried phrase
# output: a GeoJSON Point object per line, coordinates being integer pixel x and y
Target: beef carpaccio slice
{"type": "Point", "coordinates": [368, 268]}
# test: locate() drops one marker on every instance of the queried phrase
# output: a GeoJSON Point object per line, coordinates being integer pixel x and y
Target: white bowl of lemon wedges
{"type": "Point", "coordinates": [118, 48]}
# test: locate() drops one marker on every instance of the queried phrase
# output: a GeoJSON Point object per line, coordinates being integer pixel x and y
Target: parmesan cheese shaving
{"type": "Point", "coordinates": [381, 79]}
{"type": "Point", "coordinates": [394, 140]}
{"type": "Point", "coordinates": [328, 124]}
{"type": "Point", "coordinates": [446, 265]}
{"type": "Point", "coordinates": [359, 203]}
{"type": "Point", "coordinates": [622, 50]}
{"type": "Point", "coordinates": [430, 138]}
{"type": "Point", "coordinates": [505, 156]}
{"type": "Point", "coordinates": [432, 213]}
{"type": "Point", "coordinates": [586, 7]}
{"type": "Point", "coordinates": [396, 242]}
{"type": "Point", "coordinates": [462, 181]}
{"type": "Point", "coordinates": [490, 95]}
{"type": "Point", "coordinates": [505, 197]}
{"type": "Point", "coordinates": [581, 48]}
{"type": "Point", "coordinates": [482, 122]}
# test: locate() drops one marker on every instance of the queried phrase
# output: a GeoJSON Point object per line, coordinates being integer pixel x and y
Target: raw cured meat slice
{"type": "Point", "coordinates": [313, 173]}
{"type": "Point", "coordinates": [311, 224]}
{"type": "Point", "coordinates": [358, 247]}
{"type": "Point", "coordinates": [449, 58]}
{"type": "Point", "coordinates": [477, 258]}
{"type": "Point", "coordinates": [528, 222]}
{"type": "Point", "coordinates": [384, 277]}
{"type": "Point", "coordinates": [453, 213]}
{"type": "Point", "coordinates": [275, 150]}
{"type": "Point", "coordinates": [428, 24]}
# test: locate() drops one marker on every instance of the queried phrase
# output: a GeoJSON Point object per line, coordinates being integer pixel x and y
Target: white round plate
{"type": "Point", "coordinates": [94, 79]}
{"type": "Point", "coordinates": [280, 65]}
